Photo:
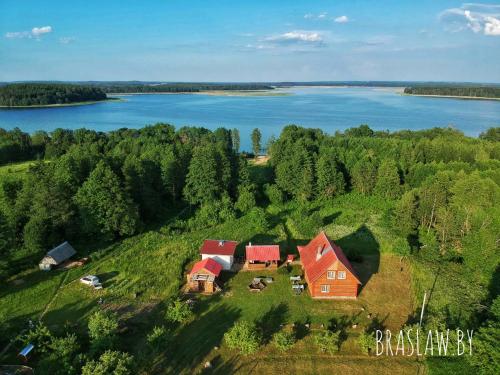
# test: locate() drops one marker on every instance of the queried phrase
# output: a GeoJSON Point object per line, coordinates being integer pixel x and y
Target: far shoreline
{"type": "Point", "coordinates": [60, 105]}
{"type": "Point", "coordinates": [453, 97]}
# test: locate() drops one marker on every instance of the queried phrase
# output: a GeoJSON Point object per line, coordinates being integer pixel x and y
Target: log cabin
{"type": "Point", "coordinates": [203, 276]}
{"type": "Point", "coordinates": [327, 270]}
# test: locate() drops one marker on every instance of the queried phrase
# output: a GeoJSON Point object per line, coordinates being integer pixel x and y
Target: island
{"type": "Point", "coordinates": [48, 94]}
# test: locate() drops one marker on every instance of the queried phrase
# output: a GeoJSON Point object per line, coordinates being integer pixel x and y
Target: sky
{"type": "Point", "coordinates": [257, 40]}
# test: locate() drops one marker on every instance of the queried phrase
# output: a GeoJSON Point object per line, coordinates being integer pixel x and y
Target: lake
{"type": "Point", "coordinates": [326, 108]}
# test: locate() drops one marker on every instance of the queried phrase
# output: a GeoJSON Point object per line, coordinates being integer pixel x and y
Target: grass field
{"type": "Point", "coordinates": [16, 169]}
{"type": "Point", "coordinates": [142, 272]}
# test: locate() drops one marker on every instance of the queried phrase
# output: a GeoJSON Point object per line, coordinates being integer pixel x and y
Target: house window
{"type": "Point", "coordinates": [341, 275]}
{"type": "Point", "coordinates": [330, 275]}
{"type": "Point", "coordinates": [325, 288]}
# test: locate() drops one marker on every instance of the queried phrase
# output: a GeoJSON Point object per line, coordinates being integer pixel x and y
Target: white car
{"type": "Point", "coordinates": [90, 280]}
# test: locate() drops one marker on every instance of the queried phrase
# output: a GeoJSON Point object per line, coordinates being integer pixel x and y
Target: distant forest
{"type": "Point", "coordinates": [177, 87]}
{"type": "Point", "coordinates": [32, 94]}
{"type": "Point", "coordinates": [478, 92]}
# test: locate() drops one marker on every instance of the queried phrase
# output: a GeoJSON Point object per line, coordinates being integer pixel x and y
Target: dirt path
{"type": "Point", "coordinates": [54, 296]}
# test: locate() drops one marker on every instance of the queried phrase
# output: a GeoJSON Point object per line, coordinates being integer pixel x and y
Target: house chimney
{"type": "Point", "coordinates": [221, 243]}
{"type": "Point", "coordinates": [318, 253]}
{"type": "Point", "coordinates": [249, 244]}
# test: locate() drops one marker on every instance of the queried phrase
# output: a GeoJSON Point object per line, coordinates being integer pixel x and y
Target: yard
{"type": "Point", "coordinates": [142, 272]}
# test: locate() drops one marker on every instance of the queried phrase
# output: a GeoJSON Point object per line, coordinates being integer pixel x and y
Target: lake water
{"type": "Point", "coordinates": [330, 109]}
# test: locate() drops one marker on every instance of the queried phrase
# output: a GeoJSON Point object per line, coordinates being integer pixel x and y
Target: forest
{"type": "Point", "coordinates": [130, 87]}
{"type": "Point", "coordinates": [465, 91]}
{"type": "Point", "coordinates": [38, 94]}
{"type": "Point", "coordinates": [435, 191]}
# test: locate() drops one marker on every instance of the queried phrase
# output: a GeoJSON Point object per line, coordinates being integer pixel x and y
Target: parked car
{"type": "Point", "coordinates": [90, 280]}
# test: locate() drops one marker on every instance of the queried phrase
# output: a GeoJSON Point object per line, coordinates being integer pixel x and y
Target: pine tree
{"type": "Point", "coordinates": [235, 138]}
{"type": "Point", "coordinates": [388, 181]}
{"type": "Point", "coordinates": [330, 179]}
{"type": "Point", "coordinates": [364, 175]}
{"type": "Point", "coordinates": [404, 215]}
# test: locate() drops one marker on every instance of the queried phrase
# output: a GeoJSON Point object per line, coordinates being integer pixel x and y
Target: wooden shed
{"type": "Point", "coordinates": [56, 256]}
{"type": "Point", "coordinates": [259, 257]}
{"type": "Point", "coordinates": [203, 276]}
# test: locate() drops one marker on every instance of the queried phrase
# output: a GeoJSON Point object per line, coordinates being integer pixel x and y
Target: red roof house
{"type": "Point", "coordinates": [203, 275]}
{"type": "Point", "coordinates": [327, 270]}
{"type": "Point", "coordinates": [262, 256]}
{"type": "Point", "coordinates": [221, 251]}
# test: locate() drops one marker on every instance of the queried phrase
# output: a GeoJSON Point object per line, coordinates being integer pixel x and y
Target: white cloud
{"type": "Point", "coordinates": [38, 31]}
{"type": "Point", "coordinates": [479, 18]}
{"type": "Point", "coordinates": [17, 34]}
{"type": "Point", "coordinates": [341, 19]}
{"type": "Point", "coordinates": [35, 32]}
{"type": "Point", "coordinates": [66, 39]}
{"type": "Point", "coordinates": [297, 36]}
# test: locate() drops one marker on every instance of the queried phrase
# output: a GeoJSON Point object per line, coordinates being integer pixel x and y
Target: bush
{"type": "Point", "coordinates": [157, 338]}
{"type": "Point", "coordinates": [259, 219]}
{"type": "Point", "coordinates": [366, 341]}
{"type": "Point", "coordinates": [284, 340]}
{"type": "Point", "coordinates": [109, 363]}
{"type": "Point", "coordinates": [103, 327]}
{"type": "Point", "coordinates": [178, 311]}
{"type": "Point", "coordinates": [244, 337]}
{"type": "Point", "coordinates": [327, 341]}
{"type": "Point", "coordinates": [40, 336]}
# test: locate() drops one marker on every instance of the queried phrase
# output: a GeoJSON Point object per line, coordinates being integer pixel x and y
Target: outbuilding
{"type": "Point", "coordinates": [56, 256]}
{"type": "Point", "coordinates": [203, 276]}
{"type": "Point", "coordinates": [221, 251]}
{"type": "Point", "coordinates": [260, 257]}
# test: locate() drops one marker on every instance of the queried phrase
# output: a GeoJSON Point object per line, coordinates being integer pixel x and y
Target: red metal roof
{"type": "Point", "coordinates": [218, 247]}
{"type": "Point", "coordinates": [263, 253]}
{"type": "Point", "coordinates": [330, 252]}
{"type": "Point", "coordinates": [207, 264]}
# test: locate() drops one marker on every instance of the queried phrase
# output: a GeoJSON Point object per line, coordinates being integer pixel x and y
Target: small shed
{"type": "Point", "coordinates": [56, 256]}
{"type": "Point", "coordinates": [24, 353]}
{"type": "Point", "coordinates": [203, 276]}
{"type": "Point", "coordinates": [260, 257]}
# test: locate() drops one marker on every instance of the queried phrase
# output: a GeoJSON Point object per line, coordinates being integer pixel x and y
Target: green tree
{"type": "Point", "coordinates": [104, 205]}
{"type": "Point", "coordinates": [103, 328]}
{"type": "Point", "coordinates": [244, 337]}
{"type": "Point", "coordinates": [235, 138]}
{"type": "Point", "coordinates": [110, 363]}
{"type": "Point", "coordinates": [256, 139]}
{"type": "Point", "coordinates": [367, 342]}
{"type": "Point", "coordinates": [364, 175]}
{"type": "Point", "coordinates": [202, 184]}
{"type": "Point", "coordinates": [404, 214]}
{"type": "Point", "coordinates": [330, 180]}
{"type": "Point", "coordinates": [388, 181]}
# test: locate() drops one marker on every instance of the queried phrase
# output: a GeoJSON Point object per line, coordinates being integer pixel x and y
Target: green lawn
{"type": "Point", "coordinates": [15, 168]}
{"type": "Point", "coordinates": [142, 272]}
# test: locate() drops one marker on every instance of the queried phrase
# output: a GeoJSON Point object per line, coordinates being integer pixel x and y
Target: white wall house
{"type": "Point", "coordinates": [219, 250]}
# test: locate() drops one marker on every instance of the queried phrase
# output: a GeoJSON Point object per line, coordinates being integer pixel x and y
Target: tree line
{"type": "Point", "coordinates": [479, 91]}
{"type": "Point", "coordinates": [102, 186]}
{"type": "Point", "coordinates": [127, 87]}
{"type": "Point", "coordinates": [31, 94]}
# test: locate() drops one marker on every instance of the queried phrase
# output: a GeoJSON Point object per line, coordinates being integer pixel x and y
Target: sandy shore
{"type": "Point", "coordinates": [61, 105]}
{"type": "Point", "coordinates": [453, 97]}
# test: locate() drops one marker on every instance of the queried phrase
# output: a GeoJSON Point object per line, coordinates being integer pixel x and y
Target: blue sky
{"type": "Point", "coordinates": [254, 40]}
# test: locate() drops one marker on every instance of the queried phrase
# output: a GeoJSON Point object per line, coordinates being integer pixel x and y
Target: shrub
{"type": "Point", "coordinates": [284, 340]}
{"type": "Point", "coordinates": [157, 338]}
{"type": "Point", "coordinates": [40, 336]}
{"type": "Point", "coordinates": [109, 363]}
{"type": "Point", "coordinates": [244, 337]}
{"type": "Point", "coordinates": [366, 341]}
{"type": "Point", "coordinates": [327, 341]}
{"type": "Point", "coordinates": [178, 311]}
{"type": "Point", "coordinates": [103, 327]}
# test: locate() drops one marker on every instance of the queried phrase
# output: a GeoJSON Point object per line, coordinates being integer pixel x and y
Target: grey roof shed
{"type": "Point", "coordinates": [62, 252]}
